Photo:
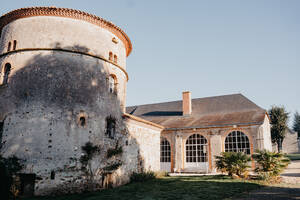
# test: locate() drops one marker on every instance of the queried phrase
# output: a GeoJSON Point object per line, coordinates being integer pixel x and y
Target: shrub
{"type": "Point", "coordinates": [9, 167]}
{"type": "Point", "coordinates": [142, 177]}
{"type": "Point", "coordinates": [269, 164]}
{"type": "Point", "coordinates": [233, 163]}
{"type": "Point", "coordinates": [113, 152]}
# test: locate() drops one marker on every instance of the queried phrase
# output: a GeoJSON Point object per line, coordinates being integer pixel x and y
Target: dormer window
{"type": "Point", "coordinates": [115, 58]}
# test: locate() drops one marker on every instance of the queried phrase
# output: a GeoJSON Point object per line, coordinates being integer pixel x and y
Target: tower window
{"type": "Point", "coordinates": [110, 127]}
{"type": "Point", "coordinates": [15, 45]}
{"type": "Point", "coordinates": [82, 121]}
{"type": "Point", "coordinates": [112, 81]}
{"type": "Point", "coordinates": [52, 175]}
{"type": "Point", "coordinates": [9, 46]}
{"type": "Point", "coordinates": [7, 69]}
{"type": "Point", "coordinates": [110, 56]}
{"type": "Point", "coordinates": [115, 58]}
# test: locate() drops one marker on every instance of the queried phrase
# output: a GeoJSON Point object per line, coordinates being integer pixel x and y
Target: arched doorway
{"type": "Point", "coordinates": [196, 152]}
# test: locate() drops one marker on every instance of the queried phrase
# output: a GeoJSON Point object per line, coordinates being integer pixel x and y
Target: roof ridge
{"type": "Point", "coordinates": [192, 99]}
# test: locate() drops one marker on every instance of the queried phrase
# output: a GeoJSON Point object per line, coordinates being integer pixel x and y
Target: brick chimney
{"type": "Point", "coordinates": [186, 103]}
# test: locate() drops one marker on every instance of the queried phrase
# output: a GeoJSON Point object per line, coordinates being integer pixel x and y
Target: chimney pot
{"type": "Point", "coordinates": [186, 103]}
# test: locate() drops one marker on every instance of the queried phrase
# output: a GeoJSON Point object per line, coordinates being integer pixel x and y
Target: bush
{"type": "Point", "coordinates": [8, 169]}
{"type": "Point", "coordinates": [233, 163]}
{"type": "Point", "coordinates": [269, 164]}
{"type": "Point", "coordinates": [142, 177]}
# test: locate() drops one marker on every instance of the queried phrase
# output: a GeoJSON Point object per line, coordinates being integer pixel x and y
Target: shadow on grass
{"type": "Point", "coordinates": [274, 192]}
{"type": "Point", "coordinates": [205, 187]}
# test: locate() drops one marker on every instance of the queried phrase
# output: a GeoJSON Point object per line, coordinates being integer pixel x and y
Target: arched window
{"type": "Point", "coordinates": [110, 56]}
{"type": "Point", "coordinates": [15, 45]}
{"type": "Point", "coordinates": [9, 46]}
{"type": "Point", "coordinates": [237, 141]}
{"type": "Point", "coordinates": [7, 69]}
{"type": "Point", "coordinates": [115, 58]}
{"type": "Point", "coordinates": [112, 82]}
{"type": "Point", "coordinates": [196, 148]}
{"type": "Point", "coordinates": [165, 150]}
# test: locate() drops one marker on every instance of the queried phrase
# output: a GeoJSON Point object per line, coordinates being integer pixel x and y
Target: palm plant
{"type": "Point", "coordinates": [269, 164]}
{"type": "Point", "coordinates": [234, 163]}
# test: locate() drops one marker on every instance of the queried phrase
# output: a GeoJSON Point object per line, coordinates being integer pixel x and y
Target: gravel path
{"type": "Point", "coordinates": [289, 189]}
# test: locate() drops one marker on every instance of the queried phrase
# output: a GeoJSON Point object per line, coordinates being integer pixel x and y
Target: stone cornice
{"type": "Point", "coordinates": [67, 13]}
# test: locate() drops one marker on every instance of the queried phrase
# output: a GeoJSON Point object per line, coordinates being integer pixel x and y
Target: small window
{"type": "Point", "coordinates": [110, 56]}
{"type": "Point", "coordinates": [9, 46]}
{"type": "Point", "coordinates": [115, 58]}
{"type": "Point", "coordinates": [110, 127]}
{"type": "Point", "coordinates": [52, 175]}
{"type": "Point", "coordinates": [15, 45]}
{"type": "Point", "coordinates": [7, 69]}
{"type": "Point", "coordinates": [82, 121]}
{"type": "Point", "coordinates": [112, 84]}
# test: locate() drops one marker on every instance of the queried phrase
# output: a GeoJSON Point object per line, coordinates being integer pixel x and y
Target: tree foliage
{"type": "Point", "coordinates": [269, 164]}
{"type": "Point", "coordinates": [279, 118]}
{"type": "Point", "coordinates": [296, 123]}
{"type": "Point", "coordinates": [234, 163]}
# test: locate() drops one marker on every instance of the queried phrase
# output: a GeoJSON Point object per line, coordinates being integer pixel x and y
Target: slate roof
{"type": "Point", "coordinates": [233, 109]}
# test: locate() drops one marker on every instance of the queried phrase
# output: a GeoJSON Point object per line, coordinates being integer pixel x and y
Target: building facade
{"type": "Point", "coordinates": [63, 85]}
{"type": "Point", "coordinates": [197, 130]}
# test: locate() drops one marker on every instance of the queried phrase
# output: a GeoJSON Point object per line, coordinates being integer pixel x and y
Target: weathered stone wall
{"type": "Point", "coordinates": [47, 93]}
{"type": "Point", "coordinates": [290, 143]}
{"type": "Point", "coordinates": [60, 32]}
{"type": "Point", "coordinates": [49, 32]}
{"type": "Point", "coordinates": [147, 150]}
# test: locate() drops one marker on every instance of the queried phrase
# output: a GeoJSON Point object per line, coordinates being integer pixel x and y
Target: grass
{"type": "Point", "coordinates": [203, 187]}
{"type": "Point", "coordinates": [294, 156]}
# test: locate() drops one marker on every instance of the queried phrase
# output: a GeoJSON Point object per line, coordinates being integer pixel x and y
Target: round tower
{"type": "Point", "coordinates": [62, 84]}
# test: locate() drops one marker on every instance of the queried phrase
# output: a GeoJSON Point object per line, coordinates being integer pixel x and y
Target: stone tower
{"type": "Point", "coordinates": [63, 75]}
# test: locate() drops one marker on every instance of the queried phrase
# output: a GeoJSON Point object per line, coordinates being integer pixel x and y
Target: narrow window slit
{"type": "Point", "coordinates": [15, 45]}
{"type": "Point", "coordinates": [7, 69]}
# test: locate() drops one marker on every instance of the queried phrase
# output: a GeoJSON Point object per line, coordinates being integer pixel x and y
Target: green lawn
{"type": "Point", "coordinates": [204, 187]}
{"type": "Point", "coordinates": [294, 156]}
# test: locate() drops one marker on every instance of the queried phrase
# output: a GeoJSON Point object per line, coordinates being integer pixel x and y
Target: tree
{"type": "Point", "coordinates": [296, 124]}
{"type": "Point", "coordinates": [279, 118]}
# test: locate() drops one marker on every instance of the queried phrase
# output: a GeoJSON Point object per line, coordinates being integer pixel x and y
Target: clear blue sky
{"type": "Point", "coordinates": [207, 47]}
